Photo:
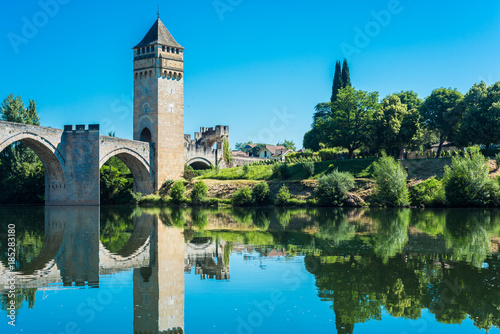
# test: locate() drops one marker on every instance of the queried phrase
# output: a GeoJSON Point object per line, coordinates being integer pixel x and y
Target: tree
{"type": "Point", "coordinates": [22, 174]}
{"type": "Point", "coordinates": [227, 154]}
{"type": "Point", "coordinates": [311, 140]}
{"type": "Point", "coordinates": [289, 144]}
{"type": "Point", "coordinates": [346, 77]}
{"type": "Point", "coordinates": [482, 115]}
{"type": "Point", "coordinates": [394, 125]}
{"type": "Point", "coordinates": [321, 111]}
{"type": "Point", "coordinates": [337, 82]}
{"type": "Point", "coordinates": [349, 123]}
{"type": "Point", "coordinates": [243, 146]}
{"type": "Point", "coordinates": [443, 110]}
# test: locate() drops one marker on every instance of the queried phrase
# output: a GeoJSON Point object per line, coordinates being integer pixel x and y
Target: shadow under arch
{"type": "Point", "coordinates": [52, 161]}
{"type": "Point", "coordinates": [199, 163]}
{"type": "Point", "coordinates": [140, 169]}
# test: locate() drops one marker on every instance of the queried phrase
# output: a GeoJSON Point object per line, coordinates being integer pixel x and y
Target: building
{"type": "Point", "coordinates": [274, 152]}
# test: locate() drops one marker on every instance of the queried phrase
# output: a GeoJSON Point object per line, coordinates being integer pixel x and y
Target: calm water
{"type": "Point", "coordinates": [126, 270]}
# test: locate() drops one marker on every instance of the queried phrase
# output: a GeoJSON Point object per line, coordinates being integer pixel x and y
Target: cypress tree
{"type": "Point", "coordinates": [346, 77]}
{"type": "Point", "coordinates": [337, 81]}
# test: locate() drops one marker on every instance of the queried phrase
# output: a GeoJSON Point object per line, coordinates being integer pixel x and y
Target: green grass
{"type": "Point", "coordinates": [359, 168]}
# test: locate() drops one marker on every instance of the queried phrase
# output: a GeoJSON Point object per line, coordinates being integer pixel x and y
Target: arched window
{"type": "Point", "coordinates": [146, 135]}
{"type": "Point", "coordinates": [146, 107]}
{"type": "Point", "coordinates": [179, 76]}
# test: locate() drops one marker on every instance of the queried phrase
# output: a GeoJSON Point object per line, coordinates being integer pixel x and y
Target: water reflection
{"type": "Point", "coordinates": [365, 262]}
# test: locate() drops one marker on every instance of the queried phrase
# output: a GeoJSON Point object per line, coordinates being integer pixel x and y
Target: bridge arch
{"type": "Point", "coordinates": [200, 163]}
{"type": "Point", "coordinates": [52, 161]}
{"type": "Point", "coordinates": [139, 167]}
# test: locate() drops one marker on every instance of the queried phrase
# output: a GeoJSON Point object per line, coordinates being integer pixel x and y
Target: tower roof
{"type": "Point", "coordinates": [158, 34]}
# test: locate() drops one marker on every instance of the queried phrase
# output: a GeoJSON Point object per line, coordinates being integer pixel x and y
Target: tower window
{"type": "Point", "coordinates": [146, 135]}
{"type": "Point", "coordinates": [163, 48]}
{"type": "Point", "coordinates": [143, 50]}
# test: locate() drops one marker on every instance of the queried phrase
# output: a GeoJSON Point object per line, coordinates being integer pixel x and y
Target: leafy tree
{"type": "Point", "coordinates": [227, 154]}
{"type": "Point", "coordinates": [333, 188]}
{"type": "Point", "coordinates": [116, 182]}
{"type": "Point", "coordinates": [242, 146]}
{"type": "Point", "coordinates": [394, 125]}
{"type": "Point", "coordinates": [321, 111]}
{"type": "Point", "coordinates": [22, 174]}
{"type": "Point", "coordinates": [178, 192]}
{"type": "Point", "coordinates": [482, 115]}
{"type": "Point", "coordinates": [260, 193]}
{"type": "Point", "coordinates": [289, 144]}
{"type": "Point", "coordinates": [390, 182]}
{"type": "Point", "coordinates": [337, 82]}
{"type": "Point", "coordinates": [349, 123]}
{"type": "Point", "coordinates": [346, 77]}
{"type": "Point", "coordinates": [410, 98]}
{"type": "Point", "coordinates": [311, 139]}
{"type": "Point", "coordinates": [199, 193]}
{"type": "Point", "coordinates": [443, 110]}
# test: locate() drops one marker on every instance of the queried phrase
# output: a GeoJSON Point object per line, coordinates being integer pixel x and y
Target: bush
{"type": "Point", "coordinates": [390, 182]}
{"type": "Point", "coordinates": [242, 197]}
{"type": "Point", "coordinates": [246, 169]}
{"type": "Point", "coordinates": [177, 192]}
{"type": "Point", "coordinates": [283, 196]}
{"type": "Point", "coordinates": [332, 188]}
{"type": "Point", "coordinates": [281, 170]}
{"type": "Point", "coordinates": [199, 193]}
{"type": "Point", "coordinates": [428, 193]}
{"type": "Point", "coordinates": [308, 168]}
{"type": "Point", "coordinates": [188, 172]}
{"type": "Point", "coordinates": [260, 193]}
{"type": "Point", "coordinates": [466, 181]}
{"type": "Point", "coordinates": [497, 160]}
{"type": "Point", "coordinates": [328, 154]}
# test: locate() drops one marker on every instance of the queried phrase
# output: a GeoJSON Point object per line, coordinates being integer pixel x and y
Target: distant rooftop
{"type": "Point", "coordinates": [158, 34]}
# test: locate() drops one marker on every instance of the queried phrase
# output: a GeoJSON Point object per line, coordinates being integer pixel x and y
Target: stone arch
{"type": "Point", "coordinates": [179, 76]}
{"type": "Point", "coordinates": [139, 167]}
{"type": "Point", "coordinates": [199, 163]}
{"type": "Point", "coordinates": [52, 161]}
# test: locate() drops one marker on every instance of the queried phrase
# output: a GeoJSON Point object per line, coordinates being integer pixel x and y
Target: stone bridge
{"type": "Point", "coordinates": [206, 149]}
{"type": "Point", "coordinates": [73, 157]}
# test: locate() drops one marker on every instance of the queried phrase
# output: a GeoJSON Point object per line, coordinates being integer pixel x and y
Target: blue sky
{"type": "Point", "coordinates": [258, 66]}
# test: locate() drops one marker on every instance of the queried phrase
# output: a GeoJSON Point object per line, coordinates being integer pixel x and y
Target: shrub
{"type": "Point", "coordinates": [260, 193]}
{"type": "Point", "coordinates": [332, 188]}
{"type": "Point", "coordinates": [327, 154]}
{"type": "Point", "coordinates": [281, 170]}
{"type": "Point", "coordinates": [246, 169]}
{"type": "Point", "coordinates": [188, 172]}
{"type": "Point", "coordinates": [497, 160]}
{"type": "Point", "coordinates": [283, 196]}
{"type": "Point", "coordinates": [390, 182]}
{"type": "Point", "coordinates": [428, 193]}
{"type": "Point", "coordinates": [466, 181]}
{"type": "Point", "coordinates": [199, 193]}
{"type": "Point", "coordinates": [177, 192]}
{"type": "Point", "coordinates": [242, 197]}
{"type": "Point", "coordinates": [308, 168]}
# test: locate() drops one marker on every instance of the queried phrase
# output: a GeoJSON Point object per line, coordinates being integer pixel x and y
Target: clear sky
{"type": "Point", "coordinates": [258, 66]}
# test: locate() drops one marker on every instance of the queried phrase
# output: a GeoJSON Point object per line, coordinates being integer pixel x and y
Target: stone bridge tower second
{"type": "Point", "coordinates": [159, 101]}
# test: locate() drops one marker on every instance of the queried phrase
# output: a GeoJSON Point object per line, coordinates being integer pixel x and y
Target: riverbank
{"type": "Point", "coordinates": [221, 185]}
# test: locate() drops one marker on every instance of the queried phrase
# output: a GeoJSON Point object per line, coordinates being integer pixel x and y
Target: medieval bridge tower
{"type": "Point", "coordinates": [159, 101]}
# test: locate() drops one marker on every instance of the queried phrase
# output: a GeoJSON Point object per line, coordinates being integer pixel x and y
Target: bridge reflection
{"type": "Point", "coordinates": [73, 255]}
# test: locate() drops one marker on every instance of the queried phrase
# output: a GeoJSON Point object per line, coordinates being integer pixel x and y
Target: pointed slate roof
{"type": "Point", "coordinates": [158, 34]}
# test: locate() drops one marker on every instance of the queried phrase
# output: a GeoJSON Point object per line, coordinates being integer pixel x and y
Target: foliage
{"type": "Point", "coordinates": [333, 188]}
{"type": "Point", "coordinates": [246, 169]}
{"type": "Point", "coordinates": [346, 77]}
{"type": "Point", "coordinates": [442, 111]}
{"type": "Point", "coordinates": [466, 181]}
{"type": "Point", "coordinates": [337, 82]}
{"type": "Point", "coordinates": [283, 196]}
{"type": "Point", "coordinates": [243, 146]}
{"type": "Point", "coordinates": [177, 193]}
{"type": "Point", "coordinates": [497, 160]}
{"type": "Point", "coordinates": [482, 115]}
{"type": "Point", "coordinates": [226, 152]}
{"type": "Point", "coordinates": [242, 197]}
{"type": "Point", "coordinates": [428, 193]}
{"type": "Point", "coordinates": [281, 170]}
{"type": "Point", "coordinates": [289, 144]}
{"type": "Point", "coordinates": [311, 139]}
{"type": "Point", "coordinates": [394, 125]}
{"type": "Point", "coordinates": [390, 182]}
{"type": "Point", "coordinates": [189, 172]}
{"type": "Point", "coordinates": [199, 193]}
{"type": "Point", "coordinates": [350, 120]}
{"type": "Point", "coordinates": [22, 174]}
{"type": "Point", "coordinates": [308, 168]}
{"type": "Point", "coordinates": [116, 182]}
{"type": "Point", "coordinates": [260, 193]}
